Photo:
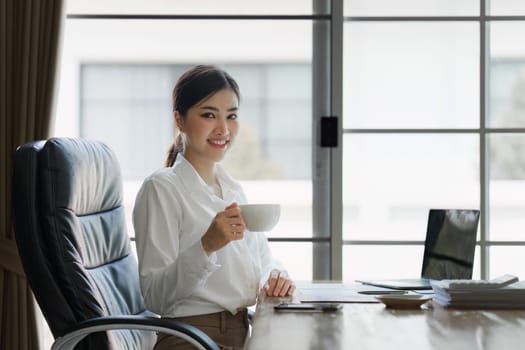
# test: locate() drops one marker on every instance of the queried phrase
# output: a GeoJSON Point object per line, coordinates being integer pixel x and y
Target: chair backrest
{"type": "Point", "coordinates": [72, 239]}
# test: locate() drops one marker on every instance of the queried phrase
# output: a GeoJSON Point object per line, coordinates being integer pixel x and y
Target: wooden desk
{"type": "Point", "coordinates": [372, 326]}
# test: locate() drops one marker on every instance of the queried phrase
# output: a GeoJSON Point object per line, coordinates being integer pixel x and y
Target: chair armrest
{"type": "Point", "coordinates": [155, 324]}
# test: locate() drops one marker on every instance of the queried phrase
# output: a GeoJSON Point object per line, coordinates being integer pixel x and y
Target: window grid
{"type": "Point", "coordinates": [483, 131]}
{"type": "Point", "coordinates": [319, 256]}
{"type": "Point", "coordinates": [336, 20]}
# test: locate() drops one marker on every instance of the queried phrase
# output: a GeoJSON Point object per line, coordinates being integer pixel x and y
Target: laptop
{"type": "Point", "coordinates": [449, 250]}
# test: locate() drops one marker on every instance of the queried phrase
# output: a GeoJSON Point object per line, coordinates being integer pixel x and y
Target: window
{"type": "Point", "coordinates": [120, 63]}
{"type": "Point", "coordinates": [432, 117]}
{"type": "Point", "coordinates": [429, 95]}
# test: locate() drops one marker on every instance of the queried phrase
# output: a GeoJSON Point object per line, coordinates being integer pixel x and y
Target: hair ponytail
{"type": "Point", "coordinates": [176, 148]}
{"type": "Point", "coordinates": [171, 155]}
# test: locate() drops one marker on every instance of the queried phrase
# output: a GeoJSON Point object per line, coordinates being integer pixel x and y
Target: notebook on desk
{"type": "Point", "coordinates": [450, 243]}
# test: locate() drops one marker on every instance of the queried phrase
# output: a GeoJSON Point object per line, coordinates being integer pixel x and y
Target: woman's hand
{"type": "Point", "coordinates": [227, 226]}
{"type": "Point", "coordinates": [279, 284]}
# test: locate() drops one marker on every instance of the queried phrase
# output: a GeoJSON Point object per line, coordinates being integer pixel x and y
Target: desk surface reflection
{"type": "Point", "coordinates": [372, 326]}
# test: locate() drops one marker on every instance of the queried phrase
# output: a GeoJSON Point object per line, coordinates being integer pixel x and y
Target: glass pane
{"type": "Point", "coordinates": [507, 260]}
{"type": "Point", "coordinates": [390, 181]}
{"type": "Point", "coordinates": [411, 75]}
{"type": "Point", "coordinates": [507, 7]}
{"type": "Point", "coordinates": [507, 75]}
{"type": "Point", "coordinates": [507, 186]}
{"type": "Point", "coordinates": [370, 262]}
{"type": "Point", "coordinates": [378, 262]}
{"type": "Point", "coordinates": [296, 257]}
{"type": "Point", "coordinates": [206, 7]}
{"type": "Point", "coordinates": [116, 83]}
{"type": "Point", "coordinates": [411, 7]}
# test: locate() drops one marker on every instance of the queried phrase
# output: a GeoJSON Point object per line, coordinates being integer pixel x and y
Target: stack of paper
{"type": "Point", "coordinates": [508, 297]}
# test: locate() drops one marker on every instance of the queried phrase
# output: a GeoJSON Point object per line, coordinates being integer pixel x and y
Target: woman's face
{"type": "Point", "coordinates": [209, 127]}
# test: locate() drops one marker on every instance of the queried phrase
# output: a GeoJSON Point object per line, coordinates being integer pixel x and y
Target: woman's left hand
{"type": "Point", "coordinates": [279, 284]}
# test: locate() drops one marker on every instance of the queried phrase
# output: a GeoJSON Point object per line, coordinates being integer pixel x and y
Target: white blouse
{"type": "Point", "coordinates": [173, 210]}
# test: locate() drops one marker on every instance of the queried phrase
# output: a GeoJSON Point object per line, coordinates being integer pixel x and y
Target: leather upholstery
{"type": "Point", "coordinates": [71, 235]}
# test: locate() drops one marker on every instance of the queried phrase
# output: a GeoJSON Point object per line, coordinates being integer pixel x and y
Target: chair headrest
{"type": "Point", "coordinates": [83, 175]}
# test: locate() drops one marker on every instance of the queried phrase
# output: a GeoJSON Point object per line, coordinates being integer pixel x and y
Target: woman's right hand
{"type": "Point", "coordinates": [227, 226]}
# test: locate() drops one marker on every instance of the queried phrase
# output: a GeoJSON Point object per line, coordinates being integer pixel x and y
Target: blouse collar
{"type": "Point", "coordinates": [194, 183]}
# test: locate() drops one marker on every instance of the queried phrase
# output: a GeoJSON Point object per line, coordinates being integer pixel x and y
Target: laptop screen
{"type": "Point", "coordinates": [450, 244]}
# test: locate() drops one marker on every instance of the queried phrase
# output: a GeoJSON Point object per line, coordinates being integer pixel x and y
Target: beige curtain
{"type": "Point", "coordinates": [29, 45]}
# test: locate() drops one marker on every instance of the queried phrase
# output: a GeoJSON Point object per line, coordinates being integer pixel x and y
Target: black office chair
{"type": "Point", "coordinates": [72, 240]}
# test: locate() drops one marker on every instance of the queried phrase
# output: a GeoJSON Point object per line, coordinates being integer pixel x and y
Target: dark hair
{"type": "Point", "coordinates": [193, 86]}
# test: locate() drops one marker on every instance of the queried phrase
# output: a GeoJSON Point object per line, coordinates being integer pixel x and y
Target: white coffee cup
{"type": "Point", "coordinates": [260, 217]}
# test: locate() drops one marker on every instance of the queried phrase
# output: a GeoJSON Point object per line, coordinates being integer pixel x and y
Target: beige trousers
{"type": "Point", "coordinates": [227, 330]}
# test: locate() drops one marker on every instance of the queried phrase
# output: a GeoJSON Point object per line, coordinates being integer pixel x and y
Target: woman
{"type": "Point", "coordinates": [197, 264]}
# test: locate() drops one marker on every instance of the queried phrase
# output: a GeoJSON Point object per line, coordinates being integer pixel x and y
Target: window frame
{"type": "Point", "coordinates": [324, 84]}
{"type": "Point", "coordinates": [327, 163]}
{"type": "Point", "coordinates": [483, 131]}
